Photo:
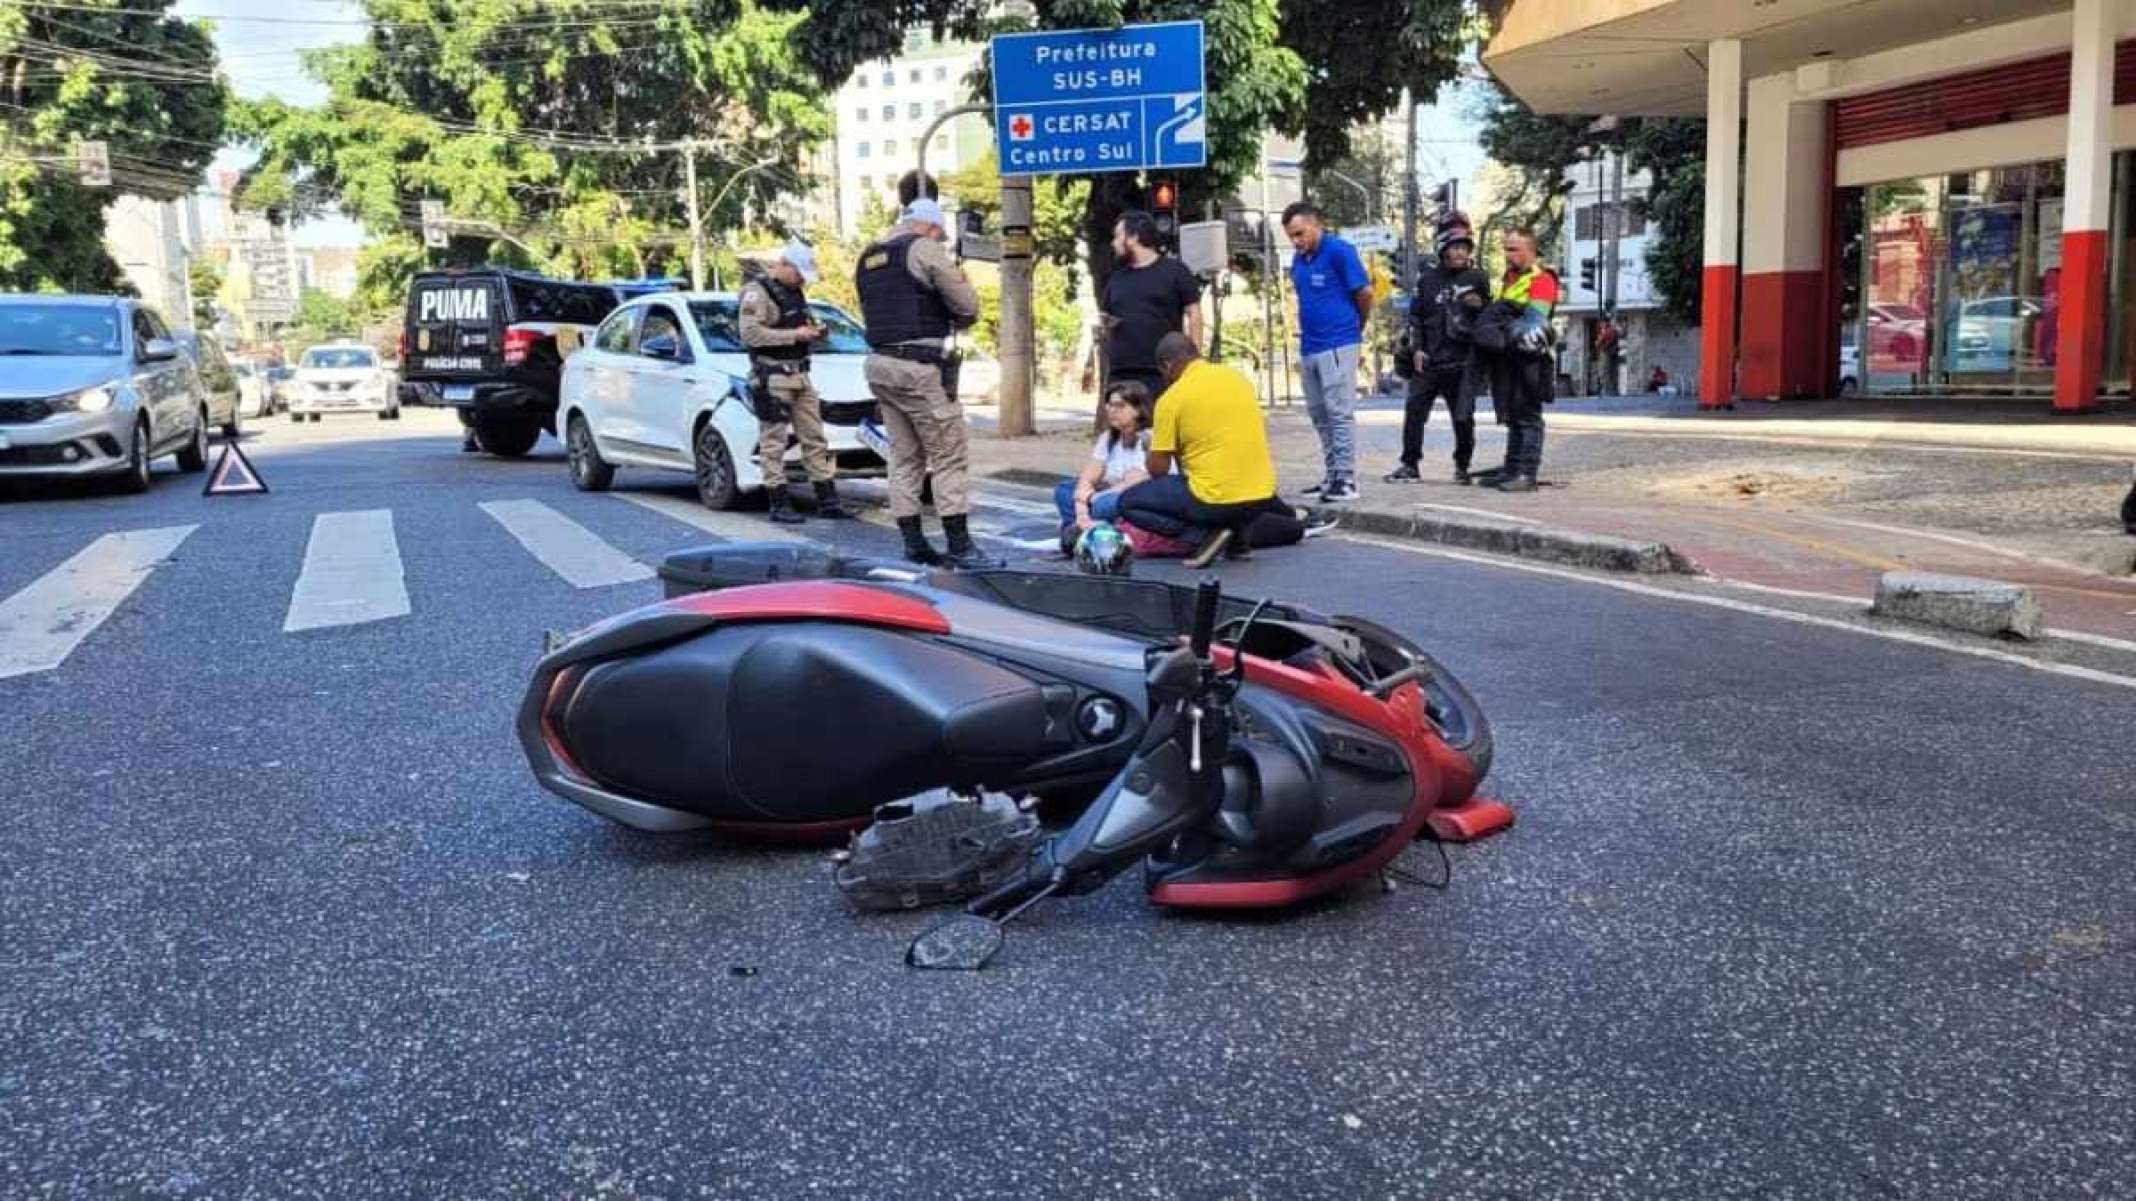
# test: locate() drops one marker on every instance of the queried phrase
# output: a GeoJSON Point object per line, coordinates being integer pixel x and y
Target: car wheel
{"type": "Point", "coordinates": [137, 465]}
{"type": "Point", "coordinates": [384, 416]}
{"type": "Point", "coordinates": [234, 427]}
{"type": "Point", "coordinates": [589, 472]}
{"type": "Point", "coordinates": [714, 468]}
{"type": "Point", "coordinates": [193, 456]}
{"type": "Point", "coordinates": [506, 437]}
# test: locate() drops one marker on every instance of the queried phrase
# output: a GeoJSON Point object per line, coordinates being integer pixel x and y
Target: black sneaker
{"type": "Point", "coordinates": [1321, 523]}
{"type": "Point", "coordinates": [1315, 489]}
{"type": "Point", "coordinates": [1405, 474]}
{"type": "Point", "coordinates": [1341, 490]}
{"type": "Point", "coordinates": [1463, 478]}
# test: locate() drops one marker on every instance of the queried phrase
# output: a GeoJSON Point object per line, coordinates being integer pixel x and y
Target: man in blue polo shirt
{"type": "Point", "coordinates": [1334, 299]}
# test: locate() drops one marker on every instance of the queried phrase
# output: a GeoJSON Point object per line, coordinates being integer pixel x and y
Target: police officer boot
{"type": "Point", "coordinates": [917, 549]}
{"type": "Point", "coordinates": [782, 505]}
{"type": "Point", "coordinates": [963, 555]}
{"type": "Point", "coordinates": [827, 502]}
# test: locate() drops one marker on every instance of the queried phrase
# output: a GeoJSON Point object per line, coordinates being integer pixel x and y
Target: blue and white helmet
{"type": "Point", "coordinates": [1104, 550]}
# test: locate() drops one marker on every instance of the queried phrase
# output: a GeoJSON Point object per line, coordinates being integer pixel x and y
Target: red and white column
{"type": "Point", "coordinates": [2081, 325]}
{"type": "Point", "coordinates": [1785, 196]}
{"type": "Point", "coordinates": [1724, 149]}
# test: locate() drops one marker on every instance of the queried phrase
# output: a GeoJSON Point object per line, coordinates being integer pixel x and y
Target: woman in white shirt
{"type": "Point", "coordinates": [1116, 462]}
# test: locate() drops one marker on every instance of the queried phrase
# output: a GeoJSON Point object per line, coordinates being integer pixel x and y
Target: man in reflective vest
{"type": "Point", "coordinates": [913, 299]}
{"type": "Point", "coordinates": [1522, 374]}
{"type": "Point", "coordinates": [779, 331]}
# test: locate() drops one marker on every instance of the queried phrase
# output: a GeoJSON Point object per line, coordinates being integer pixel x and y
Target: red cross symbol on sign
{"type": "Point", "coordinates": [1020, 127]}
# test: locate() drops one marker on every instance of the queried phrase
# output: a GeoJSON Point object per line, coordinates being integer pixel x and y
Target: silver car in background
{"type": "Point", "coordinates": [95, 385]}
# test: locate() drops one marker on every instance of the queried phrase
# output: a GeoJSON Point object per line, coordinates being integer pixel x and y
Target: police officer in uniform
{"type": "Point", "coordinates": [779, 331]}
{"type": "Point", "coordinates": [914, 298]}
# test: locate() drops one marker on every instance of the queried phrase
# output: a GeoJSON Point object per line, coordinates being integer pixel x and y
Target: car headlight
{"type": "Point", "coordinates": [89, 400]}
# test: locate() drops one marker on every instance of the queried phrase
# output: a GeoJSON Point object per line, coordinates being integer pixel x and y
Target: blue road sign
{"type": "Point", "coordinates": [1100, 99]}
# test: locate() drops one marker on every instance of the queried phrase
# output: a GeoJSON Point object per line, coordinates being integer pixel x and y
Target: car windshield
{"type": "Point", "coordinates": [59, 329]}
{"type": "Point", "coordinates": [339, 357]}
{"type": "Point", "coordinates": [719, 325]}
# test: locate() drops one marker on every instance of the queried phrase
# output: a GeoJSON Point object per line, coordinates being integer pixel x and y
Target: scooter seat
{"type": "Point", "coordinates": [801, 721]}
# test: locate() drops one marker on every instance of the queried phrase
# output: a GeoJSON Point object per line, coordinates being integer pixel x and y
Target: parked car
{"type": "Point", "coordinates": [95, 385]}
{"type": "Point", "coordinates": [255, 395]}
{"type": "Point", "coordinates": [278, 377]}
{"type": "Point", "coordinates": [1992, 334]}
{"type": "Point", "coordinates": [342, 377]}
{"type": "Point", "coordinates": [492, 344]}
{"type": "Point", "coordinates": [664, 385]}
{"type": "Point", "coordinates": [218, 380]}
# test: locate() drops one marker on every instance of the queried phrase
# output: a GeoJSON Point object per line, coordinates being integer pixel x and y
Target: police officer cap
{"type": "Point", "coordinates": [802, 259]}
{"type": "Point", "coordinates": [927, 210]}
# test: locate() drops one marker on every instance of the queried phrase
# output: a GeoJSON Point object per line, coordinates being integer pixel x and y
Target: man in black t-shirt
{"type": "Point", "coordinates": [1148, 295]}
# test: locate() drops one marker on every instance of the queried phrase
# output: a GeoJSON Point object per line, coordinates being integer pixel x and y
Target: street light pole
{"type": "Point", "coordinates": [697, 223]}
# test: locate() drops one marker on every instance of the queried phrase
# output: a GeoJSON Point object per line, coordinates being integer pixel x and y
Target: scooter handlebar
{"type": "Point", "coordinates": [1205, 604]}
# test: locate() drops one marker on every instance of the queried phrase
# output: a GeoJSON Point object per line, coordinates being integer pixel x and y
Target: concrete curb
{"type": "Point", "coordinates": [1987, 607]}
{"type": "Point", "coordinates": [1602, 552]}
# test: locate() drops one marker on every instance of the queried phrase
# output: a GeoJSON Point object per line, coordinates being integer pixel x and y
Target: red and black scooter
{"type": "Point", "coordinates": [1254, 755]}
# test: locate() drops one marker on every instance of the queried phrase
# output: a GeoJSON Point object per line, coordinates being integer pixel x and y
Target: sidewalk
{"type": "Point", "coordinates": [1820, 497]}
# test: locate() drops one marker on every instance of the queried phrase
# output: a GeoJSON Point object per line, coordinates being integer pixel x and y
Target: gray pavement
{"type": "Point", "coordinates": [1790, 911]}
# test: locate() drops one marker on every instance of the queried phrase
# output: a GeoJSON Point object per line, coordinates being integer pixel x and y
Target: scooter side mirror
{"type": "Point", "coordinates": [964, 943]}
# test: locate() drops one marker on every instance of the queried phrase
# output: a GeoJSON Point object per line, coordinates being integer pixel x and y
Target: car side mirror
{"type": "Point", "coordinates": [159, 350]}
{"type": "Point", "coordinates": [662, 347]}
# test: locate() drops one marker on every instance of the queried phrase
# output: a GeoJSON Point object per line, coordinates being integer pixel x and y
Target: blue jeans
{"type": "Point", "coordinates": [1104, 506]}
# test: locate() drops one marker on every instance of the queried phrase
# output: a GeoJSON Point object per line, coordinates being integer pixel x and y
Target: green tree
{"type": "Point", "coordinates": [1538, 151]}
{"type": "Point", "coordinates": [129, 75]}
{"type": "Point", "coordinates": [1301, 66]}
{"type": "Point", "coordinates": [206, 277]}
{"type": "Point", "coordinates": [530, 120]}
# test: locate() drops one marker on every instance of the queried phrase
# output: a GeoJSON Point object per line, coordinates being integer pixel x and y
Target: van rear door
{"type": "Point", "coordinates": [456, 327]}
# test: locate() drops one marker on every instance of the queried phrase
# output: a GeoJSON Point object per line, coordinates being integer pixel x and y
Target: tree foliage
{"type": "Point", "coordinates": [530, 120]}
{"type": "Point", "coordinates": [1538, 152]}
{"type": "Point", "coordinates": [129, 75]}
{"type": "Point", "coordinates": [1300, 66]}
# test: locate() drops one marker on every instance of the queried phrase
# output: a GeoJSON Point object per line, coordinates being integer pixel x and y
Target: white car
{"type": "Point", "coordinates": [255, 396]}
{"type": "Point", "coordinates": [344, 377]}
{"type": "Point", "coordinates": [664, 384]}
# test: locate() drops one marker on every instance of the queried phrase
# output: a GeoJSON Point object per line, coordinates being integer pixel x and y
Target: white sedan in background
{"type": "Point", "coordinates": [664, 384]}
{"type": "Point", "coordinates": [344, 377]}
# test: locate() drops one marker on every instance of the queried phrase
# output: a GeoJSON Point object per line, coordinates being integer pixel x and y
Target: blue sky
{"type": "Point", "coordinates": [259, 41]}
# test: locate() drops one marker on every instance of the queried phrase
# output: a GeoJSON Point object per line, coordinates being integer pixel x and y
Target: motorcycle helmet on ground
{"type": "Point", "coordinates": [1104, 550]}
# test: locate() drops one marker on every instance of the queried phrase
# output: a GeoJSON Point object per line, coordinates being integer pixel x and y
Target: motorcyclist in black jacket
{"type": "Point", "coordinates": [1436, 350]}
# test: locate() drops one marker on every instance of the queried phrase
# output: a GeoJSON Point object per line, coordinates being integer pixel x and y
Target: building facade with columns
{"type": "Point", "coordinates": [1942, 191]}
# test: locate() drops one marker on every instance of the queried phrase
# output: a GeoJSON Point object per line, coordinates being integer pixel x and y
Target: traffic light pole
{"type": "Point", "coordinates": [1613, 241]}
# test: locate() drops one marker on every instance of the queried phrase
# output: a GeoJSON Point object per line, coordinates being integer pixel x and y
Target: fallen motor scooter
{"type": "Point", "coordinates": [1279, 755]}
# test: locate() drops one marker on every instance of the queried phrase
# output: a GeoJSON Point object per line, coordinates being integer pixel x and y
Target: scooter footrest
{"type": "Point", "coordinates": [935, 850]}
{"type": "Point", "coordinates": [1472, 819]}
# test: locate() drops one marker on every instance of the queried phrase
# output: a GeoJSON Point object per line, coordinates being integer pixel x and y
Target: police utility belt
{"type": "Point", "coordinates": [779, 366]}
{"type": "Point", "coordinates": [915, 352]}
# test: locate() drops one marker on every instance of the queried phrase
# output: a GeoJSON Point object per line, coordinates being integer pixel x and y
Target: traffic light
{"type": "Point", "coordinates": [1587, 273]}
{"type": "Point", "coordinates": [1164, 208]}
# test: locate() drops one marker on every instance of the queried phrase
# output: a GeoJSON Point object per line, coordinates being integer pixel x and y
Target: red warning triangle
{"type": "Point", "coordinates": [234, 474]}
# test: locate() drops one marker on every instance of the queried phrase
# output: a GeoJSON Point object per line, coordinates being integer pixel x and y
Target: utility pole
{"type": "Point", "coordinates": [697, 223]}
{"type": "Point", "coordinates": [1016, 329]}
{"type": "Point", "coordinates": [1615, 236]}
{"type": "Point", "coordinates": [1409, 196]}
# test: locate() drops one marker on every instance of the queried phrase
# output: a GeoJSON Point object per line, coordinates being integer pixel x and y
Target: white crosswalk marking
{"type": "Point", "coordinates": [42, 624]}
{"type": "Point", "coordinates": [564, 546]}
{"type": "Point", "coordinates": [732, 527]}
{"type": "Point", "coordinates": [352, 573]}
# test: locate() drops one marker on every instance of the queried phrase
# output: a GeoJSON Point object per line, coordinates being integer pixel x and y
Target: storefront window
{"type": "Point", "coordinates": [1961, 282]}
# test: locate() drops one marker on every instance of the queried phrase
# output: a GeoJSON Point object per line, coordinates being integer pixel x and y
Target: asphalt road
{"type": "Point", "coordinates": [1789, 912]}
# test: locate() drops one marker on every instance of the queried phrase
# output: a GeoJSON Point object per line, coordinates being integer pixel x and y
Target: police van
{"type": "Point", "coordinates": [492, 343]}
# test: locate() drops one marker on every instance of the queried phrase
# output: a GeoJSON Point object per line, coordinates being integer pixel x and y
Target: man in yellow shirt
{"type": "Point", "coordinates": [1210, 424]}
